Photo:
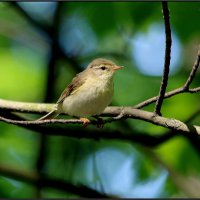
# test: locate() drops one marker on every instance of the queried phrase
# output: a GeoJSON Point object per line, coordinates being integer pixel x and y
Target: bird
{"type": "Point", "coordinates": [89, 92]}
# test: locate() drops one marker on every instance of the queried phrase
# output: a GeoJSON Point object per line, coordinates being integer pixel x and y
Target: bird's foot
{"type": "Point", "coordinates": [100, 122]}
{"type": "Point", "coordinates": [85, 122]}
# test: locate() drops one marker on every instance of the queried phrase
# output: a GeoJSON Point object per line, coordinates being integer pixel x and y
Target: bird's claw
{"type": "Point", "coordinates": [100, 122]}
{"type": "Point", "coordinates": [85, 122]}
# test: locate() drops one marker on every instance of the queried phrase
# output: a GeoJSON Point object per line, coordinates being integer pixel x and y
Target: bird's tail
{"type": "Point", "coordinates": [50, 115]}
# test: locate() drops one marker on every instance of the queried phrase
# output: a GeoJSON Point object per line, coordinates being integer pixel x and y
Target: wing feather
{"type": "Point", "coordinates": [76, 82]}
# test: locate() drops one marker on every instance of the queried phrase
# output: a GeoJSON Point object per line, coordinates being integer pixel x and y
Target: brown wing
{"type": "Point", "coordinates": [77, 81]}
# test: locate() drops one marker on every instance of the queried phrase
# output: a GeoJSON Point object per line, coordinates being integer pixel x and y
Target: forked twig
{"type": "Point", "coordinates": [185, 88]}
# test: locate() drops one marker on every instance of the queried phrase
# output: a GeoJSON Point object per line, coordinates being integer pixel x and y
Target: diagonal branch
{"type": "Point", "coordinates": [167, 95]}
{"type": "Point", "coordinates": [184, 89]}
{"type": "Point", "coordinates": [193, 72]}
{"type": "Point", "coordinates": [167, 58]}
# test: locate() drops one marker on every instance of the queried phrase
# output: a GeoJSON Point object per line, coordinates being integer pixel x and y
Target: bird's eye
{"type": "Point", "coordinates": [103, 67]}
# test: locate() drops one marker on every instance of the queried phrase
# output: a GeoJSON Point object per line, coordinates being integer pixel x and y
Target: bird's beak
{"type": "Point", "coordinates": [117, 67]}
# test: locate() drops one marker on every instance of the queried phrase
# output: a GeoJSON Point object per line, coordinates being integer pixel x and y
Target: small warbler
{"type": "Point", "coordinates": [89, 93]}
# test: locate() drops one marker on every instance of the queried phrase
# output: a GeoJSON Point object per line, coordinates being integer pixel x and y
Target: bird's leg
{"type": "Point", "coordinates": [85, 121]}
{"type": "Point", "coordinates": [100, 123]}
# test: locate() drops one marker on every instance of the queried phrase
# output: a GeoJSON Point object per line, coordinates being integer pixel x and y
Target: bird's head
{"type": "Point", "coordinates": [103, 68]}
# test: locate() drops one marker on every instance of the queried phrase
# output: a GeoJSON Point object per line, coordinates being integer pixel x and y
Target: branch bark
{"type": "Point", "coordinates": [184, 89]}
{"type": "Point", "coordinates": [78, 133]}
{"type": "Point", "coordinates": [167, 95]}
{"type": "Point", "coordinates": [167, 58]}
{"type": "Point", "coordinates": [117, 113]}
{"type": "Point", "coordinates": [193, 71]}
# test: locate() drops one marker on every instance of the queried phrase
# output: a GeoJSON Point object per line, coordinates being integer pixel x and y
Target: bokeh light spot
{"type": "Point", "coordinates": [148, 51]}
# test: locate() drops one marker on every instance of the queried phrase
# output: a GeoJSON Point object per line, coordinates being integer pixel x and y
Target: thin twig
{"type": "Point", "coordinates": [193, 72]}
{"type": "Point", "coordinates": [137, 137]}
{"type": "Point", "coordinates": [129, 112]}
{"type": "Point", "coordinates": [194, 90]}
{"type": "Point", "coordinates": [167, 58]}
{"type": "Point", "coordinates": [78, 133]}
{"type": "Point", "coordinates": [40, 122]}
{"type": "Point", "coordinates": [184, 89]}
{"type": "Point", "coordinates": [153, 99]}
{"type": "Point", "coordinates": [167, 95]}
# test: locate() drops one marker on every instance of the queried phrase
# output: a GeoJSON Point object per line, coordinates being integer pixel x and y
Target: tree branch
{"type": "Point", "coordinates": [193, 71]}
{"type": "Point", "coordinates": [167, 58]}
{"type": "Point", "coordinates": [115, 112]}
{"type": "Point", "coordinates": [40, 108]}
{"type": "Point", "coordinates": [77, 132]}
{"type": "Point", "coordinates": [167, 95]}
{"type": "Point", "coordinates": [184, 89]}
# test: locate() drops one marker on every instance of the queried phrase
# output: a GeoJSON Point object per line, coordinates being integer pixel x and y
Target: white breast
{"type": "Point", "coordinates": [89, 101]}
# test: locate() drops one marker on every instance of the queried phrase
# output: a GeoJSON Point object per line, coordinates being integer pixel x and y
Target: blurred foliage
{"type": "Point", "coordinates": [88, 30]}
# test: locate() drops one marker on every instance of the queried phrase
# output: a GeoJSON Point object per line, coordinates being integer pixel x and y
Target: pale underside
{"type": "Point", "coordinates": [85, 102]}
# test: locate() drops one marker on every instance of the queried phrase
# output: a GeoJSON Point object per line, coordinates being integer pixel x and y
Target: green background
{"type": "Point", "coordinates": [84, 31]}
